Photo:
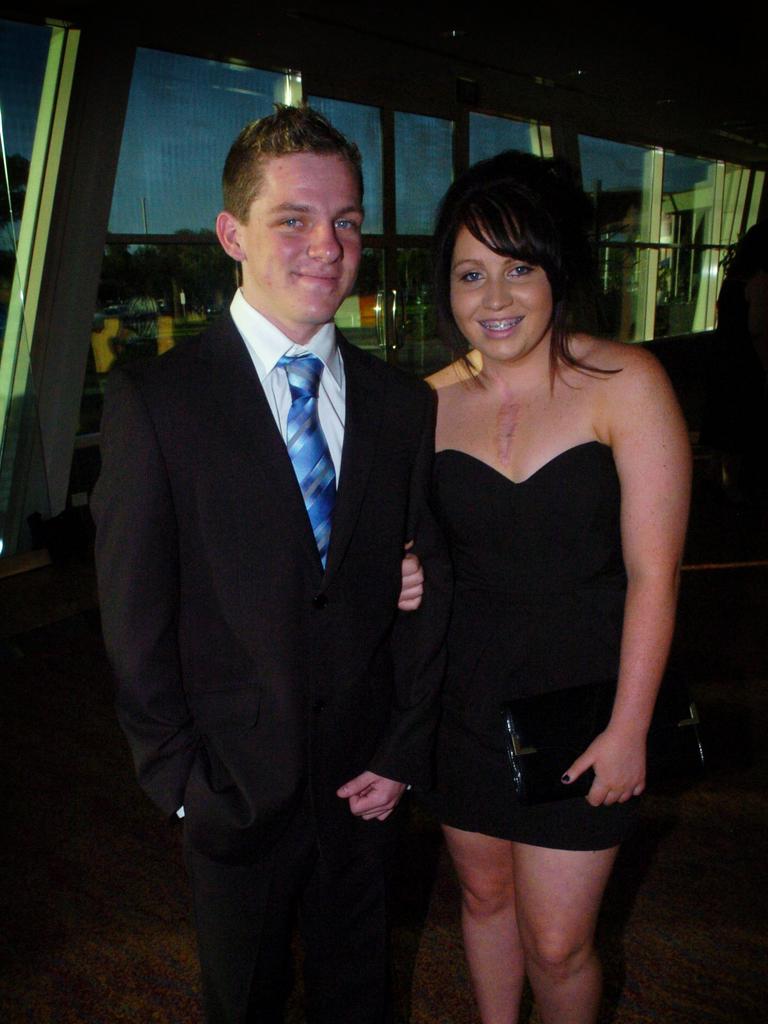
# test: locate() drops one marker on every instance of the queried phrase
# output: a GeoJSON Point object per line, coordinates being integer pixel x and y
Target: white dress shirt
{"type": "Point", "coordinates": [267, 344]}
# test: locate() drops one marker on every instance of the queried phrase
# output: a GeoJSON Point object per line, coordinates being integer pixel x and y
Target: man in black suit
{"type": "Point", "coordinates": [269, 687]}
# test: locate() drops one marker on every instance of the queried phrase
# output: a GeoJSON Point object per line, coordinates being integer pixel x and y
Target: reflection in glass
{"type": "Point", "coordinates": [361, 316]}
{"type": "Point", "coordinates": [183, 115]}
{"type": "Point", "coordinates": [758, 184]}
{"type": "Point", "coordinates": [734, 202]}
{"type": "Point", "coordinates": [624, 271]}
{"type": "Point", "coordinates": [619, 179]}
{"type": "Point", "coordinates": [151, 297]}
{"type": "Point", "coordinates": [622, 181]}
{"type": "Point", "coordinates": [687, 280]}
{"type": "Point", "coordinates": [23, 59]}
{"type": "Point", "coordinates": [361, 125]}
{"type": "Point", "coordinates": [489, 135]}
{"type": "Point", "coordinates": [423, 169]}
{"type": "Point", "coordinates": [36, 66]}
{"type": "Point", "coordinates": [419, 348]}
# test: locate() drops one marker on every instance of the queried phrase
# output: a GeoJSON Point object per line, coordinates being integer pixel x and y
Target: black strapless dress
{"type": "Point", "coordinates": [539, 604]}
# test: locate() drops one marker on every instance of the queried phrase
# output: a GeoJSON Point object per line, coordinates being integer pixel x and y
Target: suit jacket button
{"type": "Point", "coordinates": [319, 600]}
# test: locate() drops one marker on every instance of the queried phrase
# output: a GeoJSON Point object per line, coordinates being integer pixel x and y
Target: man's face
{"type": "Point", "coordinates": [300, 249]}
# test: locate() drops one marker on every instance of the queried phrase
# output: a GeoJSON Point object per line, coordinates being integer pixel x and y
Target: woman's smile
{"type": "Point", "coordinates": [501, 326]}
{"type": "Point", "coordinates": [502, 305]}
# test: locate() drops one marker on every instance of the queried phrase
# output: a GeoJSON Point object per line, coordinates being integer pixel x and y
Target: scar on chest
{"type": "Point", "coordinates": [507, 420]}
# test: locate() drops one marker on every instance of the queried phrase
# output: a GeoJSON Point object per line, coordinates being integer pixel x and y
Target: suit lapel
{"type": "Point", "coordinates": [365, 390]}
{"type": "Point", "coordinates": [240, 396]}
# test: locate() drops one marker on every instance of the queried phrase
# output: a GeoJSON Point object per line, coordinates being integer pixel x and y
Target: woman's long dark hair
{"type": "Point", "coordinates": [530, 209]}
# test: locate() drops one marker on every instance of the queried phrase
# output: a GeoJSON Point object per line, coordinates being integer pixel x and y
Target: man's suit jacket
{"type": "Point", "coordinates": [244, 671]}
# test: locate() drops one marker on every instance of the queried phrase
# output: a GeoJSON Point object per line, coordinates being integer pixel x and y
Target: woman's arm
{"type": "Point", "coordinates": [646, 431]}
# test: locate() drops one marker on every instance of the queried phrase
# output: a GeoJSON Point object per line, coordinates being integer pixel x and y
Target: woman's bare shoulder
{"type": "Point", "coordinates": [626, 365]}
{"type": "Point", "coordinates": [626, 386]}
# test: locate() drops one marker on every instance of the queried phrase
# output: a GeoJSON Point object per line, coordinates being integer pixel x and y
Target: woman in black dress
{"type": "Point", "coordinates": [562, 480]}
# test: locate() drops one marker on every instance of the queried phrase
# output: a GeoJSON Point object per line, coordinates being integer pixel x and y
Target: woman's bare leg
{"type": "Point", "coordinates": [558, 900]}
{"type": "Point", "coordinates": [489, 922]}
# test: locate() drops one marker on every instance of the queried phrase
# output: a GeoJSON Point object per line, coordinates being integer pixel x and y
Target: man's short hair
{"type": "Point", "coordinates": [288, 130]}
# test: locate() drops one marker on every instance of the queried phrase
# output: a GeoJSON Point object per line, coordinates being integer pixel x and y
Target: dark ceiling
{"type": "Point", "coordinates": [705, 73]}
{"type": "Point", "coordinates": [697, 79]}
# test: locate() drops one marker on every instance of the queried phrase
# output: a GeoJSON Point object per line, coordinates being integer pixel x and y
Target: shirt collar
{"type": "Point", "coordinates": [267, 343]}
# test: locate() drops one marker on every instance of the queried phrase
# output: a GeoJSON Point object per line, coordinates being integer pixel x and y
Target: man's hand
{"type": "Point", "coordinates": [371, 796]}
{"type": "Point", "coordinates": [412, 588]}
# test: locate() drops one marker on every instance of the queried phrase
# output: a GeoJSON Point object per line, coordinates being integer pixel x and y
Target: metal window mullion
{"type": "Point", "coordinates": [706, 300]}
{"type": "Point", "coordinates": [758, 184]}
{"type": "Point", "coordinates": [718, 204]}
{"type": "Point", "coordinates": [541, 139]}
{"type": "Point", "coordinates": [740, 205]}
{"type": "Point", "coordinates": [389, 218]}
{"type": "Point", "coordinates": [15, 361]}
{"type": "Point", "coordinates": [650, 231]}
{"type": "Point", "coordinates": [64, 74]}
{"type": "Point", "coordinates": [734, 203]}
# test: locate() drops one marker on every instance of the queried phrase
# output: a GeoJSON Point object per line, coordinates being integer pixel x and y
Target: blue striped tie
{"type": "Point", "coordinates": [307, 446]}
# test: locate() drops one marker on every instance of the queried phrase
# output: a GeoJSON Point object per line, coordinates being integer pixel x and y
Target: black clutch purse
{"type": "Point", "coordinates": [545, 734]}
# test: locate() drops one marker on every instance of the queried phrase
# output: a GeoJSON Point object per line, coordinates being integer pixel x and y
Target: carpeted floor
{"type": "Point", "coordinates": [95, 914]}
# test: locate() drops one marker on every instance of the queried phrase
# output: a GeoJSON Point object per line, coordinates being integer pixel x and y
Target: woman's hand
{"type": "Point", "coordinates": [618, 761]}
{"type": "Point", "coordinates": [412, 587]}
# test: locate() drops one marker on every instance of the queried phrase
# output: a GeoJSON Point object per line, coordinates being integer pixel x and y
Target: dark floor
{"type": "Point", "coordinates": [95, 921]}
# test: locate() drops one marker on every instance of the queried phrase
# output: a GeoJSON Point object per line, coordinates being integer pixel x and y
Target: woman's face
{"type": "Point", "coordinates": [502, 305]}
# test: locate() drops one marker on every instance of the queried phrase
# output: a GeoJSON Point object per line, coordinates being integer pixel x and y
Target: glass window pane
{"type": "Point", "coordinates": [423, 169]}
{"type": "Point", "coordinates": [623, 182]}
{"type": "Point", "coordinates": [490, 135]}
{"type": "Point", "coordinates": [623, 273]}
{"type": "Point", "coordinates": [687, 281]}
{"type": "Point", "coordinates": [183, 115]}
{"type": "Point", "coordinates": [361, 125]}
{"type": "Point", "coordinates": [419, 348]}
{"type": "Point", "coordinates": [734, 200]}
{"type": "Point", "coordinates": [23, 59]}
{"type": "Point", "coordinates": [23, 56]}
{"type": "Point", "coordinates": [687, 175]}
{"type": "Point", "coordinates": [618, 177]}
{"type": "Point", "coordinates": [34, 63]}
{"type": "Point", "coordinates": [361, 315]}
{"type": "Point", "coordinates": [687, 289]}
{"type": "Point", "coordinates": [758, 184]}
{"type": "Point", "coordinates": [151, 297]}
